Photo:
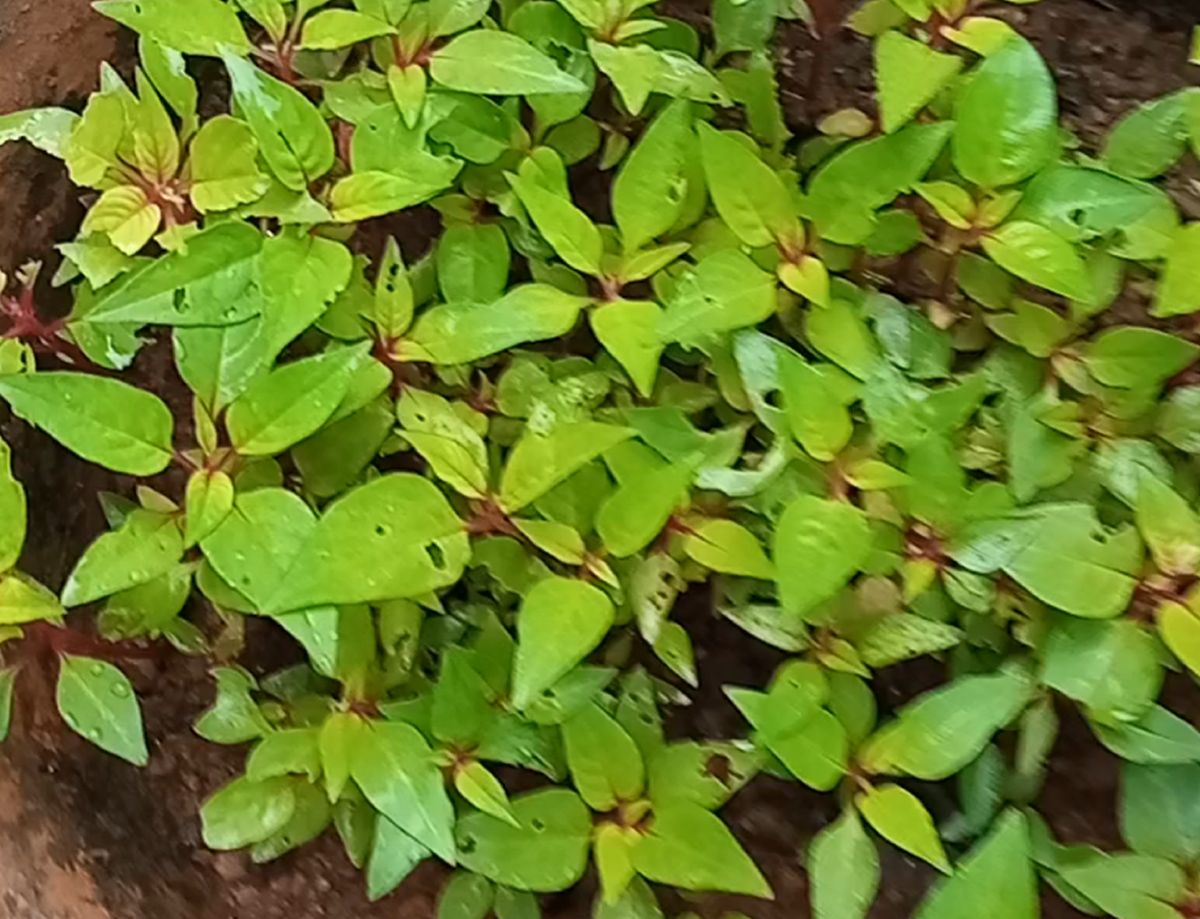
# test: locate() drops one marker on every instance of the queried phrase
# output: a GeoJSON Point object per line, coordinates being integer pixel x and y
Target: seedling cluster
{"type": "Point", "coordinates": [921, 383]}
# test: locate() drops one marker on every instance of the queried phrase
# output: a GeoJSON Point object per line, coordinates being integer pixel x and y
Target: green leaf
{"type": "Point", "coordinates": [91, 149]}
{"type": "Point", "coordinates": [97, 702]}
{"type": "Point", "coordinates": [819, 545]}
{"type": "Point", "coordinates": [1006, 117]}
{"type": "Point", "coordinates": [845, 192]}
{"type": "Point", "coordinates": [910, 74]}
{"type": "Point", "coordinates": [1159, 809]}
{"type": "Point", "coordinates": [101, 419]}
{"type": "Point", "coordinates": [1158, 737]}
{"type": "Point", "coordinates": [216, 269]}
{"type": "Point", "coordinates": [638, 510]}
{"type": "Point", "coordinates": [292, 751]}
{"type": "Point", "coordinates": [255, 546]}
{"type": "Point", "coordinates": [813, 748]}
{"type": "Point", "coordinates": [408, 87]}
{"type": "Point", "coordinates": [1128, 886]}
{"type": "Point", "coordinates": [843, 869]}
{"type": "Point", "coordinates": [459, 333]}
{"type": "Point", "coordinates": [540, 461]}
{"type": "Point", "coordinates": [496, 63]}
{"type": "Point", "coordinates": [605, 763]}
{"type": "Point", "coordinates": [224, 164]}
{"type": "Point", "coordinates": [292, 402]}
{"type": "Point", "coordinates": [1178, 289]}
{"type": "Point", "coordinates": [690, 848]}
{"type": "Point", "coordinates": [1112, 667]}
{"type": "Point", "coordinates": [547, 850]}
{"type": "Point", "coordinates": [210, 27]}
{"type": "Point", "coordinates": [729, 548]}
{"type": "Point", "coordinates": [650, 190]}
{"type": "Point", "coordinates": [462, 701]}
{"type": "Point", "coordinates": [48, 129]}
{"type": "Point", "coordinates": [999, 869]}
{"type": "Point", "coordinates": [743, 26]}
{"type": "Point", "coordinates": [1150, 139]}
{"type": "Point", "coordinates": [897, 816]}
{"type": "Point", "coordinates": [748, 194]}
{"type": "Point", "coordinates": [639, 70]}
{"type": "Point", "coordinates": [292, 135]}
{"type": "Point", "coordinates": [8, 677]}
{"type": "Point", "coordinates": [1179, 419]}
{"type": "Point", "coordinates": [310, 818]}
{"type": "Point", "coordinates": [22, 599]}
{"type": "Point", "coordinates": [374, 193]}
{"type": "Point", "coordinates": [723, 292]}
{"type": "Point", "coordinates": [561, 621]}
{"type": "Point", "coordinates": [337, 743]}
{"type": "Point", "coordinates": [942, 731]}
{"type": "Point", "coordinates": [362, 532]}
{"type": "Point", "coordinates": [466, 896]}
{"type": "Point", "coordinates": [209, 502]}
{"type": "Point", "coordinates": [271, 15]}
{"type": "Point", "coordinates": [1179, 629]}
{"type": "Point", "coordinates": [483, 790]}
{"type": "Point", "coordinates": [1055, 555]}
{"type": "Point", "coordinates": [244, 812]}
{"type": "Point", "coordinates": [1169, 526]}
{"type": "Point", "coordinates": [637, 901]}
{"type": "Point", "coordinates": [706, 773]}
{"type": "Point", "coordinates": [394, 856]}
{"type": "Point", "coordinates": [397, 771]}
{"type": "Point", "coordinates": [839, 333]}
{"type": "Point", "coordinates": [332, 29]}
{"type": "Point", "coordinates": [568, 230]}
{"type": "Point", "coordinates": [818, 418]}
{"type": "Point", "coordinates": [147, 545]}
{"type": "Point", "coordinates": [628, 330]}
{"type": "Point", "coordinates": [1041, 257]}
{"type": "Point", "coordinates": [1131, 357]}
{"type": "Point", "coordinates": [901, 636]}
{"type": "Point", "coordinates": [473, 262]}
{"type": "Point", "coordinates": [808, 277]}
{"type": "Point", "coordinates": [125, 215]}
{"type": "Point", "coordinates": [234, 716]}
{"type": "Point", "coordinates": [448, 443]}
{"type": "Point", "coordinates": [12, 512]}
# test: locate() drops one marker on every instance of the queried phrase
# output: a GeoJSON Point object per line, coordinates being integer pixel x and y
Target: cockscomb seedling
{"type": "Point", "coordinates": [877, 392]}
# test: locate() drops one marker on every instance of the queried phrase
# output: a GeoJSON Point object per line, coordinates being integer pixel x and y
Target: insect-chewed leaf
{"type": "Point", "coordinates": [545, 852]}
{"type": "Point", "coordinates": [395, 537]}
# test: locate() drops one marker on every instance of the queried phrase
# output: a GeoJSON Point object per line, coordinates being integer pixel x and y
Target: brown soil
{"type": "Point", "coordinates": [82, 836]}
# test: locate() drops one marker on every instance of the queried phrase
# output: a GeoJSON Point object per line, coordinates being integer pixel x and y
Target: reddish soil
{"type": "Point", "coordinates": [82, 836]}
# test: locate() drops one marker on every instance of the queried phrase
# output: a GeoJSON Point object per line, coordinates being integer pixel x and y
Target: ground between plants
{"type": "Point", "coordinates": [83, 836]}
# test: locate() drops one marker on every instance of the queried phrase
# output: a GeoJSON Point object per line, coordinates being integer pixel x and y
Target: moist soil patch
{"type": "Point", "coordinates": [84, 836]}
